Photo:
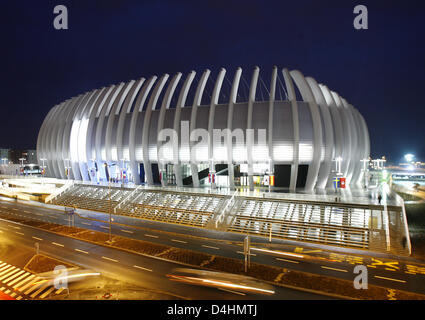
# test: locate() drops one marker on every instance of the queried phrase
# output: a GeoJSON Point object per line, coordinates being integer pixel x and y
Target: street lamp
{"type": "Point", "coordinates": [22, 164]}
{"type": "Point", "coordinates": [43, 167]}
{"type": "Point", "coordinates": [110, 201]}
{"type": "Point", "coordinates": [365, 170]}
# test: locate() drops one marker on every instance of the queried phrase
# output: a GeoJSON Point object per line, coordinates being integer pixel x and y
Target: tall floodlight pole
{"type": "Point", "coordinates": [365, 162]}
{"type": "Point", "coordinates": [110, 211]}
{"type": "Point", "coordinates": [43, 168]}
{"type": "Point", "coordinates": [22, 164]}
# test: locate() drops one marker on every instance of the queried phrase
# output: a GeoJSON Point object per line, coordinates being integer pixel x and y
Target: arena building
{"type": "Point", "coordinates": [294, 134]}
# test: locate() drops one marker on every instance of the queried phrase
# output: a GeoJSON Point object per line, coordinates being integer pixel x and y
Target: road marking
{"type": "Point", "coordinates": [128, 231]}
{"type": "Point", "coordinates": [210, 247]}
{"type": "Point", "coordinates": [391, 279]}
{"type": "Point", "coordinates": [18, 279]}
{"type": "Point", "coordinates": [45, 294]}
{"type": "Point", "coordinates": [20, 233]}
{"type": "Point", "coordinates": [104, 227]}
{"type": "Point", "coordinates": [109, 259]}
{"type": "Point", "coordinates": [390, 269]}
{"type": "Point", "coordinates": [181, 241]}
{"type": "Point", "coordinates": [335, 269]}
{"type": "Point", "coordinates": [291, 261]}
{"type": "Point", "coordinates": [24, 281]}
{"type": "Point", "coordinates": [391, 264]}
{"type": "Point", "coordinates": [152, 236]}
{"type": "Point", "coordinates": [146, 269]}
{"type": "Point", "coordinates": [1, 231]}
{"type": "Point", "coordinates": [37, 238]}
{"type": "Point", "coordinates": [86, 223]}
{"type": "Point", "coordinates": [82, 251]}
{"type": "Point", "coordinates": [15, 227]}
{"type": "Point", "coordinates": [58, 244]}
{"type": "Point", "coordinates": [60, 290]}
{"type": "Point", "coordinates": [26, 211]}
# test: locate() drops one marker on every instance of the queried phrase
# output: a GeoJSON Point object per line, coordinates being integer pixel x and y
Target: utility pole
{"type": "Point", "coordinates": [247, 252]}
{"type": "Point", "coordinates": [110, 212]}
{"type": "Point", "coordinates": [270, 235]}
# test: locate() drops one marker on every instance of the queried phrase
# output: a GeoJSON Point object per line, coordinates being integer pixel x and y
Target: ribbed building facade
{"type": "Point", "coordinates": [300, 138]}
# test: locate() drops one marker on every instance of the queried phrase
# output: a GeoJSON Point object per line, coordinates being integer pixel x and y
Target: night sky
{"type": "Point", "coordinates": [380, 70]}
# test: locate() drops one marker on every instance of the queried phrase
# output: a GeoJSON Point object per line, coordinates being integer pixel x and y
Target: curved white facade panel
{"type": "Point", "coordinates": [137, 129]}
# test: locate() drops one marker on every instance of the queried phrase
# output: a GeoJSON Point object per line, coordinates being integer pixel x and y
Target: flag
{"type": "Point", "coordinates": [337, 183]}
{"type": "Point", "coordinates": [272, 180]}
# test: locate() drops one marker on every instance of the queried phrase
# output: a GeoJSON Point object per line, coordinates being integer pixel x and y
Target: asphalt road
{"type": "Point", "coordinates": [391, 273]}
{"type": "Point", "coordinates": [132, 268]}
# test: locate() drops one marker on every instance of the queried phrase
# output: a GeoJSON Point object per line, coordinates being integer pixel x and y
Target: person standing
{"type": "Point", "coordinates": [379, 198]}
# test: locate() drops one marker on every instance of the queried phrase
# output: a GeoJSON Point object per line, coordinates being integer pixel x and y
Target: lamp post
{"type": "Point", "coordinates": [22, 164]}
{"type": "Point", "coordinates": [110, 201]}
{"type": "Point", "coordinates": [43, 167]}
{"type": "Point", "coordinates": [365, 170]}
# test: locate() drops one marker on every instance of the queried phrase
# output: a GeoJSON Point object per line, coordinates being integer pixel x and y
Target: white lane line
{"type": "Point", "coordinates": [286, 260]}
{"type": "Point", "coordinates": [128, 231]}
{"type": "Point", "coordinates": [38, 214]}
{"type": "Point", "coordinates": [335, 269]}
{"type": "Point", "coordinates": [106, 258]}
{"type": "Point", "coordinates": [104, 227]}
{"type": "Point", "coordinates": [20, 233]}
{"type": "Point", "coordinates": [15, 227]}
{"type": "Point", "coordinates": [181, 241]}
{"type": "Point", "coordinates": [146, 269]}
{"type": "Point", "coordinates": [86, 223]}
{"type": "Point", "coordinates": [82, 251]}
{"type": "Point", "coordinates": [58, 244]}
{"type": "Point", "coordinates": [152, 236]}
{"type": "Point", "coordinates": [39, 239]}
{"type": "Point", "coordinates": [210, 247]}
{"type": "Point", "coordinates": [26, 211]}
{"type": "Point", "coordinates": [391, 279]}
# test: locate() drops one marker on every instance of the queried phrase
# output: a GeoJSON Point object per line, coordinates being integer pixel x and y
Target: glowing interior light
{"type": "Point", "coordinates": [283, 152]}
{"type": "Point", "coordinates": [74, 140]}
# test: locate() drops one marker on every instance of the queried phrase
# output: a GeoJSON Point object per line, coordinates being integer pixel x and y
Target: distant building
{"type": "Point", "coordinates": [16, 154]}
{"type": "Point", "coordinates": [13, 155]}
{"type": "Point", "coordinates": [4, 156]}
{"type": "Point", "coordinates": [31, 156]}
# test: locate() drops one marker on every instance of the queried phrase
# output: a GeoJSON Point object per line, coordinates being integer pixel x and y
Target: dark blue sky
{"type": "Point", "coordinates": [380, 70]}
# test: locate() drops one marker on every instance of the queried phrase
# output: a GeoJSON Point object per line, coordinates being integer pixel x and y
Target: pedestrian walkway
{"type": "Point", "coordinates": [22, 285]}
